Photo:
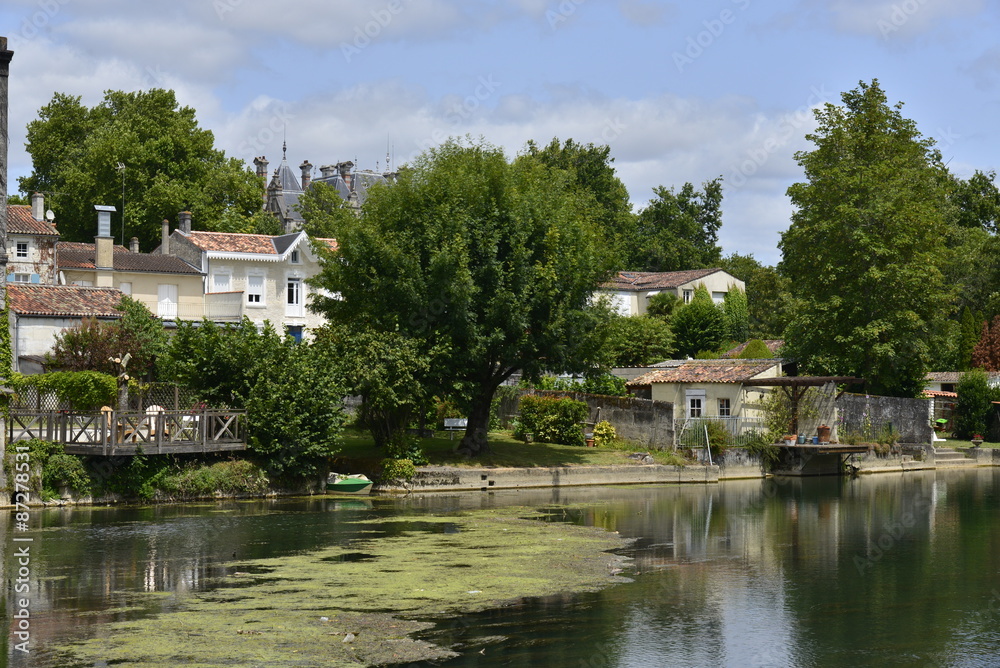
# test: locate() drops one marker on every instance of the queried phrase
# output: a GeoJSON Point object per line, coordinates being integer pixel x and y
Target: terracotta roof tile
{"type": "Point", "coordinates": [707, 371]}
{"type": "Point", "coordinates": [944, 376]}
{"type": "Point", "coordinates": [81, 256]}
{"type": "Point", "coordinates": [655, 280]}
{"type": "Point", "coordinates": [63, 300]}
{"type": "Point", "coordinates": [20, 221]}
{"type": "Point", "coordinates": [331, 244]}
{"type": "Point", "coordinates": [228, 242]}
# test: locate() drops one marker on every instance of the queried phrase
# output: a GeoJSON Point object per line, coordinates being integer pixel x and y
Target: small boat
{"type": "Point", "coordinates": [337, 483]}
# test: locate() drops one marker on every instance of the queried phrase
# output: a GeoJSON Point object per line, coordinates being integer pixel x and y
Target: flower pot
{"type": "Point", "coordinates": [976, 442]}
{"type": "Point", "coordinates": [589, 442]}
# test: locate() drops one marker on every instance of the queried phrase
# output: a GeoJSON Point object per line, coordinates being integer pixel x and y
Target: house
{"type": "Point", "coordinates": [630, 290]}
{"type": "Point", "coordinates": [281, 197]}
{"type": "Point", "coordinates": [38, 313]}
{"type": "Point", "coordinates": [169, 287]}
{"type": "Point", "coordinates": [31, 242]}
{"type": "Point", "coordinates": [254, 275]}
{"type": "Point", "coordinates": [708, 388]}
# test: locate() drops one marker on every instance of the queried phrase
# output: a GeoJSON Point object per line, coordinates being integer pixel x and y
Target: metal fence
{"type": "Point", "coordinates": [742, 430]}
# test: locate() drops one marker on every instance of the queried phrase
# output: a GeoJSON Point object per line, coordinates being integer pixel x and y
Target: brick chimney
{"type": "Point", "coordinates": [133, 245]}
{"type": "Point", "coordinates": [38, 206]}
{"type": "Point", "coordinates": [165, 238]}
{"type": "Point", "coordinates": [184, 222]}
{"type": "Point", "coordinates": [260, 166]}
{"type": "Point", "coordinates": [345, 172]}
{"type": "Point", "coordinates": [328, 171]}
{"type": "Point", "coordinates": [306, 168]}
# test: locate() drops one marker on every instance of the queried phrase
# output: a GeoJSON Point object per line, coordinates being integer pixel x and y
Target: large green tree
{"type": "Point", "coordinates": [491, 260]}
{"type": "Point", "coordinates": [864, 247]}
{"type": "Point", "coordinates": [678, 229]}
{"type": "Point", "coordinates": [699, 326]}
{"type": "Point", "coordinates": [170, 165]}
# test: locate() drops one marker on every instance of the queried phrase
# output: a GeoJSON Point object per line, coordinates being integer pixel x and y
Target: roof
{"type": "Point", "coordinates": [254, 244]}
{"type": "Point", "coordinates": [772, 344]}
{"type": "Point", "coordinates": [20, 221]}
{"type": "Point", "coordinates": [707, 371]}
{"type": "Point", "coordinates": [331, 244]}
{"type": "Point", "coordinates": [943, 376]}
{"type": "Point", "coordinates": [81, 256]}
{"type": "Point", "coordinates": [935, 394]}
{"type": "Point", "coordinates": [63, 300]}
{"type": "Point", "coordinates": [655, 280]}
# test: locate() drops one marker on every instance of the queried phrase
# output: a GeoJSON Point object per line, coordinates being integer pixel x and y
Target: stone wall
{"type": "Point", "coordinates": [910, 417]}
{"type": "Point", "coordinates": [649, 423]}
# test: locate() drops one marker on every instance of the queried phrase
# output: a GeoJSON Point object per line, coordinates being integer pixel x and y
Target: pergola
{"type": "Point", "coordinates": [794, 387]}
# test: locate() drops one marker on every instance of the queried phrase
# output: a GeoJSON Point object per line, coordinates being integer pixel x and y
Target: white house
{"type": "Point", "coordinates": [630, 291]}
{"type": "Point", "coordinates": [254, 275]}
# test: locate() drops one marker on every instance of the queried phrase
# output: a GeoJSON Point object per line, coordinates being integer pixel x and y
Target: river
{"type": "Point", "coordinates": [887, 570]}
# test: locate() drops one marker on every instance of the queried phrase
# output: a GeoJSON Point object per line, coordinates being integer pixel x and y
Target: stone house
{"type": "Point", "coordinates": [630, 291]}
{"type": "Point", "coordinates": [31, 242]}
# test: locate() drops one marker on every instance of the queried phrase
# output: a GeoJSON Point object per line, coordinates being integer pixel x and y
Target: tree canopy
{"type": "Point", "coordinates": [170, 165]}
{"type": "Point", "coordinates": [864, 247]}
{"type": "Point", "coordinates": [489, 264]}
{"type": "Point", "coordinates": [699, 326]}
{"type": "Point", "coordinates": [678, 230]}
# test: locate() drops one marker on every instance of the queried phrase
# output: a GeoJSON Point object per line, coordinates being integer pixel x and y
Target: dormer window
{"type": "Point", "coordinates": [295, 257]}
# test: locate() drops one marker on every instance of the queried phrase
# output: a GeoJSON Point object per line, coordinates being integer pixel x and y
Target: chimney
{"type": "Point", "coordinates": [38, 206]}
{"type": "Point", "coordinates": [184, 222]}
{"type": "Point", "coordinates": [328, 171]}
{"type": "Point", "coordinates": [104, 242]}
{"type": "Point", "coordinates": [345, 172]}
{"type": "Point", "coordinates": [260, 165]}
{"type": "Point", "coordinates": [306, 174]}
{"type": "Point", "coordinates": [5, 57]}
{"type": "Point", "coordinates": [165, 238]}
{"type": "Point", "coordinates": [133, 245]}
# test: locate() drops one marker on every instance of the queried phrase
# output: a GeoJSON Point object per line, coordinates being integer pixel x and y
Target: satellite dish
{"type": "Point", "coordinates": [50, 215]}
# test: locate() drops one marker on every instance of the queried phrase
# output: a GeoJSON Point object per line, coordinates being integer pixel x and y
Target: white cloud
{"type": "Point", "coordinates": [646, 12]}
{"type": "Point", "coordinates": [889, 19]}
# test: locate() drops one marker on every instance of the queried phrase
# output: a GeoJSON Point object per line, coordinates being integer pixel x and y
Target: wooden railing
{"type": "Point", "coordinates": [130, 432]}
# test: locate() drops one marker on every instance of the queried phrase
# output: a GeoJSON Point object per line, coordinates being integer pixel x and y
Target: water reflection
{"type": "Point", "coordinates": [878, 570]}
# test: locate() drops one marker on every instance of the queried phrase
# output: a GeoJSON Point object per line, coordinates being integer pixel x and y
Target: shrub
{"type": "Point", "coordinates": [604, 433]}
{"type": "Point", "coordinates": [405, 446]}
{"type": "Point", "coordinates": [553, 420]}
{"type": "Point", "coordinates": [84, 390]}
{"type": "Point", "coordinates": [756, 350]}
{"type": "Point", "coordinates": [236, 476]}
{"type": "Point", "coordinates": [718, 437]}
{"type": "Point", "coordinates": [396, 470]}
{"type": "Point", "coordinates": [974, 404]}
{"type": "Point", "coordinates": [62, 469]}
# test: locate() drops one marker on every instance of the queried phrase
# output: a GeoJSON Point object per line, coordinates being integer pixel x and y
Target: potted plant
{"type": "Point", "coordinates": [977, 440]}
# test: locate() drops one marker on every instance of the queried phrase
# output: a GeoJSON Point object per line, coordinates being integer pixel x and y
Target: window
{"type": "Point", "coordinates": [694, 406]}
{"type": "Point", "coordinates": [20, 278]}
{"type": "Point", "coordinates": [255, 290]}
{"type": "Point", "coordinates": [21, 251]}
{"type": "Point", "coordinates": [295, 257]}
{"type": "Point", "coordinates": [126, 288]}
{"type": "Point", "coordinates": [725, 409]}
{"type": "Point", "coordinates": [167, 301]}
{"type": "Point", "coordinates": [83, 284]}
{"type": "Point", "coordinates": [295, 331]}
{"type": "Point", "coordinates": [688, 294]}
{"type": "Point", "coordinates": [220, 282]}
{"type": "Point", "coordinates": [293, 297]}
{"type": "Point", "coordinates": [718, 297]}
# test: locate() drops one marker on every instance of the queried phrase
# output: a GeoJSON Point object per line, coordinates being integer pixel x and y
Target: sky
{"type": "Point", "coordinates": [680, 91]}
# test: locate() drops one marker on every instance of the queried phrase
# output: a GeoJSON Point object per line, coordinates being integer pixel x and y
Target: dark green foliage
{"type": "Point", "coordinates": [396, 470]}
{"type": "Point", "coordinates": [487, 264]}
{"type": "Point", "coordinates": [865, 245]}
{"type": "Point", "coordinates": [718, 437]}
{"type": "Point", "coordinates": [84, 390]}
{"type": "Point", "coordinates": [737, 313]}
{"type": "Point", "coordinates": [971, 327]}
{"type": "Point", "coordinates": [553, 420]}
{"type": "Point", "coordinates": [62, 469]}
{"type": "Point", "coordinates": [699, 326]}
{"type": "Point", "coordinates": [170, 163]}
{"type": "Point", "coordinates": [29, 472]}
{"type": "Point", "coordinates": [291, 391]}
{"type": "Point", "coordinates": [756, 350]}
{"type": "Point", "coordinates": [6, 351]}
{"type": "Point", "coordinates": [678, 230]}
{"type": "Point", "coordinates": [638, 340]}
{"type": "Point", "coordinates": [598, 383]}
{"type": "Point", "coordinates": [974, 409]}
{"type": "Point", "coordinates": [976, 201]}
{"type": "Point", "coordinates": [663, 305]}
{"type": "Point", "coordinates": [202, 480]}
{"type": "Point", "coordinates": [768, 295]}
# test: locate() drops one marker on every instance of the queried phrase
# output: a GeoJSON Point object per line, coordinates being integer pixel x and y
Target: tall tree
{"type": "Point", "coordinates": [863, 249]}
{"type": "Point", "coordinates": [678, 230]}
{"type": "Point", "coordinates": [592, 170]}
{"type": "Point", "coordinates": [488, 264]}
{"type": "Point", "coordinates": [986, 353]}
{"type": "Point", "coordinates": [768, 295]}
{"type": "Point", "coordinates": [737, 313]}
{"type": "Point", "coordinates": [976, 201]}
{"type": "Point", "coordinates": [169, 165]}
{"type": "Point", "coordinates": [699, 326]}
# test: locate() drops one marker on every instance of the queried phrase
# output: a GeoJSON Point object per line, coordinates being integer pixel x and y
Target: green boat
{"type": "Point", "coordinates": [337, 483]}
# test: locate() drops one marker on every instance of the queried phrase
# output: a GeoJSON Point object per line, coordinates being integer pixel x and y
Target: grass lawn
{"type": "Point", "coordinates": [958, 443]}
{"type": "Point", "coordinates": [505, 451]}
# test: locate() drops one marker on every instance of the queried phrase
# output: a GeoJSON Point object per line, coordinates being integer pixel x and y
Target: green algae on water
{"type": "Point", "coordinates": [331, 607]}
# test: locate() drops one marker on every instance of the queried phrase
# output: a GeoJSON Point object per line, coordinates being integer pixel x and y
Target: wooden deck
{"type": "Point", "coordinates": [130, 433]}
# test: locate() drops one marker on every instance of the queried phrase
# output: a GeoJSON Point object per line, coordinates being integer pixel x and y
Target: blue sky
{"type": "Point", "coordinates": [680, 91]}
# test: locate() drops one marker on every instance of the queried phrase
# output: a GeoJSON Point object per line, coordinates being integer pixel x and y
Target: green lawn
{"type": "Point", "coordinates": [505, 451]}
{"type": "Point", "coordinates": [958, 443]}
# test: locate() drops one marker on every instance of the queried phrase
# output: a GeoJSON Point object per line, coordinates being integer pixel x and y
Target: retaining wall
{"type": "Point", "coordinates": [910, 417]}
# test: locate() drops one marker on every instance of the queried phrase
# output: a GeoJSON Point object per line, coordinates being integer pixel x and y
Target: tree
{"type": "Point", "coordinates": [678, 230]}
{"type": "Point", "coordinates": [863, 250]}
{"type": "Point", "coordinates": [974, 406]}
{"type": "Point", "coordinates": [592, 171]}
{"type": "Point", "coordinates": [663, 305]}
{"type": "Point", "coordinates": [737, 312]}
{"type": "Point", "coordinates": [638, 340]}
{"type": "Point", "coordinates": [170, 165]}
{"type": "Point", "coordinates": [976, 201]}
{"type": "Point", "coordinates": [768, 295]}
{"type": "Point", "coordinates": [488, 264]}
{"type": "Point", "coordinates": [969, 333]}
{"type": "Point", "coordinates": [756, 350]}
{"type": "Point", "coordinates": [986, 353]}
{"type": "Point", "coordinates": [699, 325]}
